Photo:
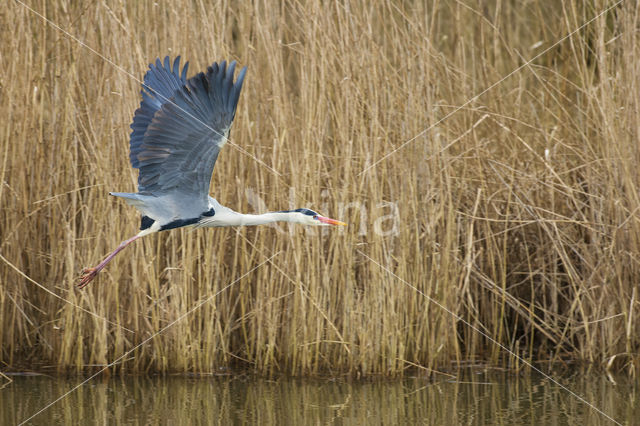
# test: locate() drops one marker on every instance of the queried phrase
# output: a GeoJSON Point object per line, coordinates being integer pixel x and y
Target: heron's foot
{"type": "Point", "coordinates": [88, 274]}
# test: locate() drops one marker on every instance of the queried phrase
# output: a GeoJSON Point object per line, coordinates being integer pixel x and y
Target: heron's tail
{"type": "Point", "coordinates": [134, 200]}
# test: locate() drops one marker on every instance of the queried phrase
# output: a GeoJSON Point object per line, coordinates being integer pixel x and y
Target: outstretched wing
{"type": "Point", "coordinates": [185, 135]}
{"type": "Point", "coordinates": [160, 84]}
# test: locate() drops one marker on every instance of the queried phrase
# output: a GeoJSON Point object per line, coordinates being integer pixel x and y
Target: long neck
{"type": "Point", "coordinates": [229, 217]}
{"type": "Point", "coordinates": [261, 219]}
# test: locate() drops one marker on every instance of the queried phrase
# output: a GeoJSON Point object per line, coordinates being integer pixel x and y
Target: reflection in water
{"type": "Point", "coordinates": [473, 398]}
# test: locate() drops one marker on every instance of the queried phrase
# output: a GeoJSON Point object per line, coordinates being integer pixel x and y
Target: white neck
{"type": "Point", "coordinates": [229, 217]}
{"type": "Point", "coordinates": [261, 219]}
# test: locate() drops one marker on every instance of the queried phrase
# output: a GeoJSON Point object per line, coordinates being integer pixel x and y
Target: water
{"type": "Point", "coordinates": [473, 397]}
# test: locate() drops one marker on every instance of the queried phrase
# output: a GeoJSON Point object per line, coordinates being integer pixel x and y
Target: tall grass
{"type": "Point", "coordinates": [517, 215]}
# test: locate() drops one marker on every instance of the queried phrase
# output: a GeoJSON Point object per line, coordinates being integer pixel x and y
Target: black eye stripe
{"type": "Point", "coordinates": [306, 212]}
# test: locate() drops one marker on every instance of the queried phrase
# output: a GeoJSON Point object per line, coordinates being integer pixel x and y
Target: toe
{"type": "Point", "coordinates": [87, 276]}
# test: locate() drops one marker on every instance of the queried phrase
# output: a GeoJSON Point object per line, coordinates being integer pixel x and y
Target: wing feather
{"type": "Point", "coordinates": [182, 140]}
{"type": "Point", "coordinates": [160, 84]}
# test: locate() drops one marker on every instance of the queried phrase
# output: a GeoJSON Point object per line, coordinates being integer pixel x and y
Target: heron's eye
{"type": "Point", "coordinates": [315, 217]}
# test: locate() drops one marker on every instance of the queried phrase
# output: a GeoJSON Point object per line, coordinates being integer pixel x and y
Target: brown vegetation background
{"type": "Point", "coordinates": [518, 214]}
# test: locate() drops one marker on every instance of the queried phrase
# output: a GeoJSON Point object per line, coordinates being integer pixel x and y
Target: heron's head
{"type": "Point", "coordinates": [309, 217]}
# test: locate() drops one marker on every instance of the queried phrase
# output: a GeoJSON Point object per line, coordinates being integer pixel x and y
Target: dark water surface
{"type": "Point", "coordinates": [473, 397]}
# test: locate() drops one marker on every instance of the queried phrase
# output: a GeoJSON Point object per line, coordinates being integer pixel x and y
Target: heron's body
{"type": "Point", "coordinates": [178, 132]}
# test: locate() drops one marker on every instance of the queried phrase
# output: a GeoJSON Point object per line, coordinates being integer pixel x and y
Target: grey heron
{"type": "Point", "coordinates": [177, 133]}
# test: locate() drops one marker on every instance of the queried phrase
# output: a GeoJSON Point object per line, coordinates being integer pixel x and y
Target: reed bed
{"type": "Point", "coordinates": [509, 217]}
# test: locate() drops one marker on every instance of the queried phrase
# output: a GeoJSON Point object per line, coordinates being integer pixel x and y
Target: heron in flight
{"type": "Point", "coordinates": [177, 134]}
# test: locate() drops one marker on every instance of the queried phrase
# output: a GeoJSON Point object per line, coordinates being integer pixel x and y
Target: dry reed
{"type": "Point", "coordinates": [518, 213]}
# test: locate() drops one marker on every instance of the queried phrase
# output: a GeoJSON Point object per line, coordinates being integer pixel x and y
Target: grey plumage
{"type": "Point", "coordinates": [176, 136]}
{"type": "Point", "coordinates": [160, 83]}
